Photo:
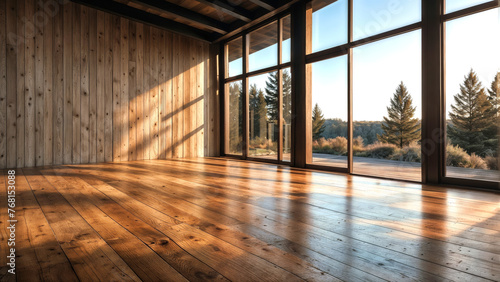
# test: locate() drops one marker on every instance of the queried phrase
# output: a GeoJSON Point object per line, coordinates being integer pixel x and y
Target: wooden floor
{"type": "Point", "coordinates": [219, 219]}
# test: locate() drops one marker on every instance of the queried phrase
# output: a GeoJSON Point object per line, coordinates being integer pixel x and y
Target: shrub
{"type": "Point", "coordinates": [358, 145]}
{"type": "Point", "coordinates": [456, 156]}
{"type": "Point", "coordinates": [379, 150]}
{"type": "Point", "coordinates": [336, 146]}
{"type": "Point", "coordinates": [411, 153]}
{"type": "Point", "coordinates": [339, 145]}
{"type": "Point", "coordinates": [263, 144]}
{"type": "Point", "coordinates": [477, 162]}
{"type": "Point", "coordinates": [491, 162]}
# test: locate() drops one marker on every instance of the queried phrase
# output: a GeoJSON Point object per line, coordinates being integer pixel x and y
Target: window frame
{"type": "Point", "coordinates": [433, 86]}
{"type": "Point", "coordinates": [446, 17]}
{"type": "Point", "coordinates": [244, 77]}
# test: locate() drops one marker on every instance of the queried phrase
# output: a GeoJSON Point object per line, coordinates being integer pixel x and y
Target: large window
{"type": "Point", "coordinates": [387, 108]}
{"type": "Point", "coordinates": [473, 94]}
{"type": "Point", "coordinates": [404, 90]}
{"type": "Point", "coordinates": [258, 102]}
{"type": "Point", "coordinates": [367, 89]}
{"type": "Point", "coordinates": [329, 111]}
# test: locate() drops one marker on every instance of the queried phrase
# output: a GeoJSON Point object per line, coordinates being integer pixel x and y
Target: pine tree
{"type": "Point", "coordinates": [471, 117]}
{"type": "Point", "coordinates": [494, 94]}
{"type": "Point", "coordinates": [272, 95]}
{"type": "Point", "coordinates": [318, 122]}
{"type": "Point", "coordinates": [493, 133]}
{"type": "Point", "coordinates": [400, 127]}
{"type": "Point", "coordinates": [260, 115]}
{"type": "Point", "coordinates": [235, 117]}
{"type": "Point", "coordinates": [287, 96]}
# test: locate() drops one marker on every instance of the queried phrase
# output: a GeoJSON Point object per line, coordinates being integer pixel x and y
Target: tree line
{"type": "Point", "coordinates": [473, 124]}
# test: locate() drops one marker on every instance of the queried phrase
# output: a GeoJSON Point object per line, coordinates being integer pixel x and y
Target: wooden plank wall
{"type": "Point", "coordinates": [79, 85]}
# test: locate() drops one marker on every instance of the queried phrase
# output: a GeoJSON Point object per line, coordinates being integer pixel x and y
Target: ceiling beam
{"type": "Point", "coordinates": [147, 18]}
{"type": "Point", "coordinates": [269, 5]}
{"type": "Point", "coordinates": [229, 9]}
{"type": "Point", "coordinates": [178, 11]}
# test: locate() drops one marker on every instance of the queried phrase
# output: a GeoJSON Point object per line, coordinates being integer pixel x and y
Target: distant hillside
{"type": "Point", "coordinates": [368, 130]}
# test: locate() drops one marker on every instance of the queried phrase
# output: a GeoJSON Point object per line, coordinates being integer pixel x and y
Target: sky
{"type": "Point", "coordinates": [380, 66]}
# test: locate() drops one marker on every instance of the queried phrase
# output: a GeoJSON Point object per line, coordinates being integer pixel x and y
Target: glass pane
{"type": "Point", "coordinates": [234, 57]}
{"type": "Point", "coordinates": [329, 114]}
{"type": "Point", "coordinates": [329, 24]}
{"type": "Point", "coordinates": [374, 17]}
{"type": "Point", "coordinates": [287, 114]}
{"type": "Point", "coordinates": [473, 96]}
{"type": "Point", "coordinates": [455, 5]}
{"type": "Point", "coordinates": [285, 43]}
{"type": "Point", "coordinates": [263, 44]}
{"type": "Point", "coordinates": [387, 108]}
{"type": "Point", "coordinates": [263, 94]}
{"type": "Point", "coordinates": [234, 115]}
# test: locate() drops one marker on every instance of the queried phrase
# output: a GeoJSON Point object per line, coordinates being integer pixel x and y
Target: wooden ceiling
{"type": "Point", "coordinates": [204, 19]}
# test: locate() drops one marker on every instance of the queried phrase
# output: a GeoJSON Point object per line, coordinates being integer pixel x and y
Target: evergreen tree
{"type": "Point", "coordinates": [493, 133]}
{"type": "Point", "coordinates": [318, 122]}
{"type": "Point", "coordinates": [472, 116]}
{"type": "Point", "coordinates": [272, 95]}
{"type": "Point", "coordinates": [494, 94]}
{"type": "Point", "coordinates": [287, 96]}
{"type": "Point", "coordinates": [235, 117]}
{"type": "Point", "coordinates": [400, 127]}
{"type": "Point", "coordinates": [260, 115]}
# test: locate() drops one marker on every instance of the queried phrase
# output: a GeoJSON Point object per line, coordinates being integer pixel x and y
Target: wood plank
{"type": "Point", "coordinates": [56, 133]}
{"type": "Point", "coordinates": [192, 107]}
{"type": "Point", "coordinates": [177, 98]}
{"type": "Point", "coordinates": [146, 93]}
{"type": "Point", "coordinates": [207, 224]}
{"type": "Point", "coordinates": [132, 91]}
{"type": "Point", "coordinates": [124, 126]}
{"type": "Point", "coordinates": [41, 256]}
{"type": "Point", "coordinates": [162, 95]}
{"type": "Point", "coordinates": [420, 252]}
{"type": "Point", "coordinates": [84, 86]}
{"type": "Point", "coordinates": [167, 119]}
{"type": "Point", "coordinates": [153, 98]}
{"type": "Point", "coordinates": [209, 215]}
{"type": "Point", "coordinates": [68, 83]}
{"type": "Point", "coordinates": [117, 114]}
{"type": "Point", "coordinates": [162, 92]}
{"type": "Point", "coordinates": [108, 88]}
{"type": "Point", "coordinates": [3, 85]}
{"type": "Point", "coordinates": [77, 27]}
{"type": "Point", "coordinates": [140, 91]}
{"type": "Point", "coordinates": [200, 100]}
{"type": "Point", "coordinates": [212, 251]}
{"type": "Point", "coordinates": [14, 48]}
{"type": "Point", "coordinates": [92, 85]}
{"type": "Point", "coordinates": [208, 98]}
{"type": "Point", "coordinates": [91, 257]}
{"type": "Point", "coordinates": [101, 71]}
{"type": "Point", "coordinates": [146, 263]}
{"type": "Point", "coordinates": [186, 109]}
{"type": "Point", "coordinates": [27, 133]}
{"type": "Point", "coordinates": [41, 21]}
